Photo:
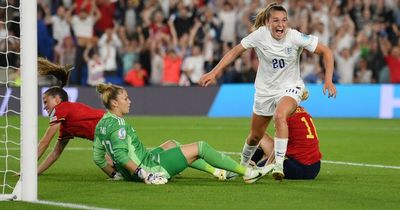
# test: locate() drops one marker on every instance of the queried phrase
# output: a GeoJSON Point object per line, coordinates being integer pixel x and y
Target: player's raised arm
{"type": "Point", "coordinates": [211, 77]}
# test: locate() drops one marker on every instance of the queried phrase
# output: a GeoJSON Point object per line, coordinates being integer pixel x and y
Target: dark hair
{"type": "Point", "coordinates": [62, 73]}
{"type": "Point", "coordinates": [57, 91]}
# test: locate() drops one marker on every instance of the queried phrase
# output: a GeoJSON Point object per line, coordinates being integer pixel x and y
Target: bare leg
{"type": "Point", "coordinates": [258, 126]}
{"type": "Point", "coordinates": [168, 145]}
{"type": "Point", "coordinates": [286, 106]}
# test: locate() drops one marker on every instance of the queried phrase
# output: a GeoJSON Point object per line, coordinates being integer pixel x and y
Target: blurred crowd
{"type": "Point", "coordinates": [173, 42]}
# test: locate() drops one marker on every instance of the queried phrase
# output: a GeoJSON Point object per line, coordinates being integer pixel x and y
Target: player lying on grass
{"type": "Point", "coordinates": [114, 136]}
{"type": "Point", "coordinates": [303, 156]}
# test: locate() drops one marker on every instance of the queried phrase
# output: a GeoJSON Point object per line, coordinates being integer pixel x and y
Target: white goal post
{"type": "Point", "coordinates": [26, 188]}
{"type": "Point", "coordinates": [29, 100]}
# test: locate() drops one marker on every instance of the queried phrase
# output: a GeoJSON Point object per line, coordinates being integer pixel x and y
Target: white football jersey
{"type": "Point", "coordinates": [279, 60]}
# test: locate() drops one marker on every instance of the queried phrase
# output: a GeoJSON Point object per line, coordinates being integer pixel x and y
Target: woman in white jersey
{"type": "Point", "coordinates": [279, 87]}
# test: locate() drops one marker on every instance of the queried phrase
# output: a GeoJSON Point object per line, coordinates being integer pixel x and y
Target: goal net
{"type": "Point", "coordinates": [18, 100]}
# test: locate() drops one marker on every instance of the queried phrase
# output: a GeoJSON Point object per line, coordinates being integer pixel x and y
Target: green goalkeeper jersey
{"type": "Point", "coordinates": [120, 141]}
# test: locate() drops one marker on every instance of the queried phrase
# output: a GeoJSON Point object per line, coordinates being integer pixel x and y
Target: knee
{"type": "Point", "coordinates": [172, 143]}
{"type": "Point", "coordinates": [255, 136]}
{"type": "Point", "coordinates": [280, 118]}
{"type": "Point", "coordinates": [169, 144]}
{"type": "Point", "coordinates": [201, 143]}
{"type": "Point", "coordinates": [200, 147]}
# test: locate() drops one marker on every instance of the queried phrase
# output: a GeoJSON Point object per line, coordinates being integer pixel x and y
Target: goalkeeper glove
{"type": "Point", "coordinates": [116, 176]}
{"type": "Point", "coordinates": [151, 178]}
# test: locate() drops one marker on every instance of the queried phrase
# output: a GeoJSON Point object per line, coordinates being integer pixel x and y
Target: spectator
{"type": "Point", "coordinates": [95, 65]}
{"type": "Point", "coordinates": [392, 59]}
{"type": "Point", "coordinates": [228, 19]}
{"type": "Point", "coordinates": [68, 51]}
{"type": "Point", "coordinates": [157, 64]}
{"type": "Point", "coordinates": [157, 25]}
{"type": "Point", "coordinates": [107, 9]}
{"type": "Point", "coordinates": [131, 16]}
{"type": "Point", "coordinates": [375, 60]}
{"type": "Point", "coordinates": [172, 68]}
{"type": "Point", "coordinates": [61, 30]}
{"type": "Point", "coordinates": [346, 62]}
{"type": "Point", "coordinates": [183, 20]}
{"type": "Point", "coordinates": [45, 48]}
{"type": "Point", "coordinates": [82, 24]}
{"type": "Point", "coordinates": [192, 67]}
{"type": "Point", "coordinates": [137, 76]}
{"type": "Point", "coordinates": [109, 44]}
{"type": "Point", "coordinates": [363, 74]}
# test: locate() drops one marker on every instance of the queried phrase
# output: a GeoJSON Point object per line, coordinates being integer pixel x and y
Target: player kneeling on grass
{"type": "Point", "coordinates": [135, 163]}
{"type": "Point", "coordinates": [303, 156]}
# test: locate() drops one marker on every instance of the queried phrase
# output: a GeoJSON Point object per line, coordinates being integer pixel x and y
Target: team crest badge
{"type": "Point", "coordinates": [103, 130]}
{"type": "Point", "coordinates": [122, 133]}
{"type": "Point", "coordinates": [288, 50]}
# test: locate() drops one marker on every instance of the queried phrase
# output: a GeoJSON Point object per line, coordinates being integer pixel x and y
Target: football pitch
{"type": "Point", "coordinates": [360, 170]}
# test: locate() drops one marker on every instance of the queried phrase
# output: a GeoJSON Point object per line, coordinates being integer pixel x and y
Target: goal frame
{"type": "Point", "coordinates": [27, 187]}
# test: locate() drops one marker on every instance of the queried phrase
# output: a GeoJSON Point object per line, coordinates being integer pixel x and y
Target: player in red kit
{"type": "Point", "coordinates": [303, 155]}
{"type": "Point", "coordinates": [71, 119]}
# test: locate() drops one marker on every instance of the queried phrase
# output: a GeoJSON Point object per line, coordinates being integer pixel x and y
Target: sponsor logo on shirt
{"type": "Point", "coordinates": [122, 133]}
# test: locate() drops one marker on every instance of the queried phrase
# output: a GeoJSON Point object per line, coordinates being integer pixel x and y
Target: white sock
{"type": "Point", "coordinates": [248, 172]}
{"type": "Point", "coordinates": [280, 149]}
{"type": "Point", "coordinates": [247, 152]}
{"type": "Point", "coordinates": [217, 171]}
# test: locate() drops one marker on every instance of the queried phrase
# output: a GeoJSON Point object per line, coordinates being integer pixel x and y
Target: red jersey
{"type": "Point", "coordinates": [303, 144]}
{"type": "Point", "coordinates": [172, 69]}
{"type": "Point", "coordinates": [77, 120]}
{"type": "Point", "coordinates": [394, 68]}
{"type": "Point", "coordinates": [136, 77]}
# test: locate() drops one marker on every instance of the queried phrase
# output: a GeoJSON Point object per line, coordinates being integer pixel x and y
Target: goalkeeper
{"type": "Point", "coordinates": [79, 120]}
{"type": "Point", "coordinates": [135, 163]}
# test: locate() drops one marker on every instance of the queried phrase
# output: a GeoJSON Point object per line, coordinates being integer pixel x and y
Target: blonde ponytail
{"type": "Point", "coordinates": [108, 92]}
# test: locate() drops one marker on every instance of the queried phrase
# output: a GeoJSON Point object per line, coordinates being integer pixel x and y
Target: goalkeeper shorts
{"type": "Point", "coordinates": [173, 161]}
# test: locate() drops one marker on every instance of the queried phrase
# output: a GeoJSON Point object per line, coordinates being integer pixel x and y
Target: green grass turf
{"type": "Point", "coordinates": [75, 179]}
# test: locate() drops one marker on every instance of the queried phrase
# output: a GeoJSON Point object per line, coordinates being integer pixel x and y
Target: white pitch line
{"type": "Point", "coordinates": [69, 205]}
{"type": "Point", "coordinates": [360, 164]}
{"type": "Point", "coordinates": [237, 153]}
{"type": "Point", "coordinates": [338, 162]}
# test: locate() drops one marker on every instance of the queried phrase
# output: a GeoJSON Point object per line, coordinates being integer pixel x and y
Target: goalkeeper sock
{"type": "Point", "coordinates": [202, 165]}
{"type": "Point", "coordinates": [280, 149]}
{"type": "Point", "coordinates": [247, 153]}
{"type": "Point", "coordinates": [219, 160]}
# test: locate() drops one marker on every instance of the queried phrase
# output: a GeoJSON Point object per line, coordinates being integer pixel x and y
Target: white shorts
{"type": "Point", "coordinates": [266, 105]}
